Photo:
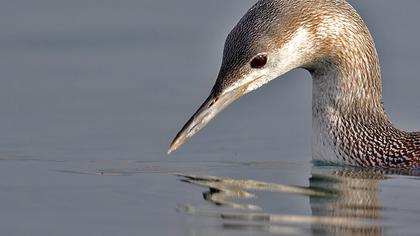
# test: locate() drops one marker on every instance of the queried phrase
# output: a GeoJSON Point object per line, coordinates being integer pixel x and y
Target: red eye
{"type": "Point", "coordinates": [258, 61]}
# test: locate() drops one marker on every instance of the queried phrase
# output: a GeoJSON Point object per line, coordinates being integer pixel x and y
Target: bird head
{"type": "Point", "coordinates": [272, 38]}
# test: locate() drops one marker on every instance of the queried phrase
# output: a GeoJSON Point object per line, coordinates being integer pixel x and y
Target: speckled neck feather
{"type": "Point", "coordinates": [349, 122]}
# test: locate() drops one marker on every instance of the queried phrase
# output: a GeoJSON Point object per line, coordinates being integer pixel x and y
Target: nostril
{"type": "Point", "coordinates": [211, 103]}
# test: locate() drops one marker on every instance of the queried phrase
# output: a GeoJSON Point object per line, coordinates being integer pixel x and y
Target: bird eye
{"type": "Point", "coordinates": [258, 61]}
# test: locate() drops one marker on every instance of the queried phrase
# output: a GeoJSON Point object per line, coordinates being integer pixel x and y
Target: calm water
{"type": "Point", "coordinates": [91, 92]}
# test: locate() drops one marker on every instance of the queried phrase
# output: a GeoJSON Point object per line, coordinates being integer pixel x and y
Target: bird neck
{"type": "Point", "coordinates": [347, 101]}
{"type": "Point", "coordinates": [348, 85]}
{"type": "Point", "coordinates": [349, 122]}
{"type": "Point", "coordinates": [345, 69]}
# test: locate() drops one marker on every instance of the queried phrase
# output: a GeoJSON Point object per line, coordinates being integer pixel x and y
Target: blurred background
{"type": "Point", "coordinates": [92, 87]}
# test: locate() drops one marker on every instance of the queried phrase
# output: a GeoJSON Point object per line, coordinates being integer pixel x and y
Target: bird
{"type": "Point", "coordinates": [330, 40]}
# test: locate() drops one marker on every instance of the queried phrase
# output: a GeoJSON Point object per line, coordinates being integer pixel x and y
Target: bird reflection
{"type": "Point", "coordinates": [222, 189]}
{"type": "Point", "coordinates": [343, 200]}
{"type": "Point", "coordinates": [357, 196]}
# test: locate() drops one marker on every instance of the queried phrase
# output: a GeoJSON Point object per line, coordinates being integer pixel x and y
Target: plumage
{"type": "Point", "coordinates": [330, 40]}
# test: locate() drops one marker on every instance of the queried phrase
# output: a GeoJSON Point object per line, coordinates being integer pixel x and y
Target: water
{"type": "Point", "coordinates": [91, 92]}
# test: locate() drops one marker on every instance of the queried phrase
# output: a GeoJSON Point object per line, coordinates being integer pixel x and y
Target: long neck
{"type": "Point", "coordinates": [349, 122]}
{"type": "Point", "coordinates": [350, 85]}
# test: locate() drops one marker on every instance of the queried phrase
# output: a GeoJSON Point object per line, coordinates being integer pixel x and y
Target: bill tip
{"type": "Point", "coordinates": [172, 147]}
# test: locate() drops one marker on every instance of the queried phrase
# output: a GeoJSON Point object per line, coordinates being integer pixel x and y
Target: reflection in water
{"type": "Point", "coordinates": [344, 201]}
{"type": "Point", "coordinates": [222, 189]}
{"type": "Point", "coordinates": [356, 197]}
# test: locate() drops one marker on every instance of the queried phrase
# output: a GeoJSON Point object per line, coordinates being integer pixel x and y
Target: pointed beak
{"type": "Point", "coordinates": [213, 105]}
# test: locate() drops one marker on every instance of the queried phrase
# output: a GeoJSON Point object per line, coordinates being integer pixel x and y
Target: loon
{"type": "Point", "coordinates": [330, 40]}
